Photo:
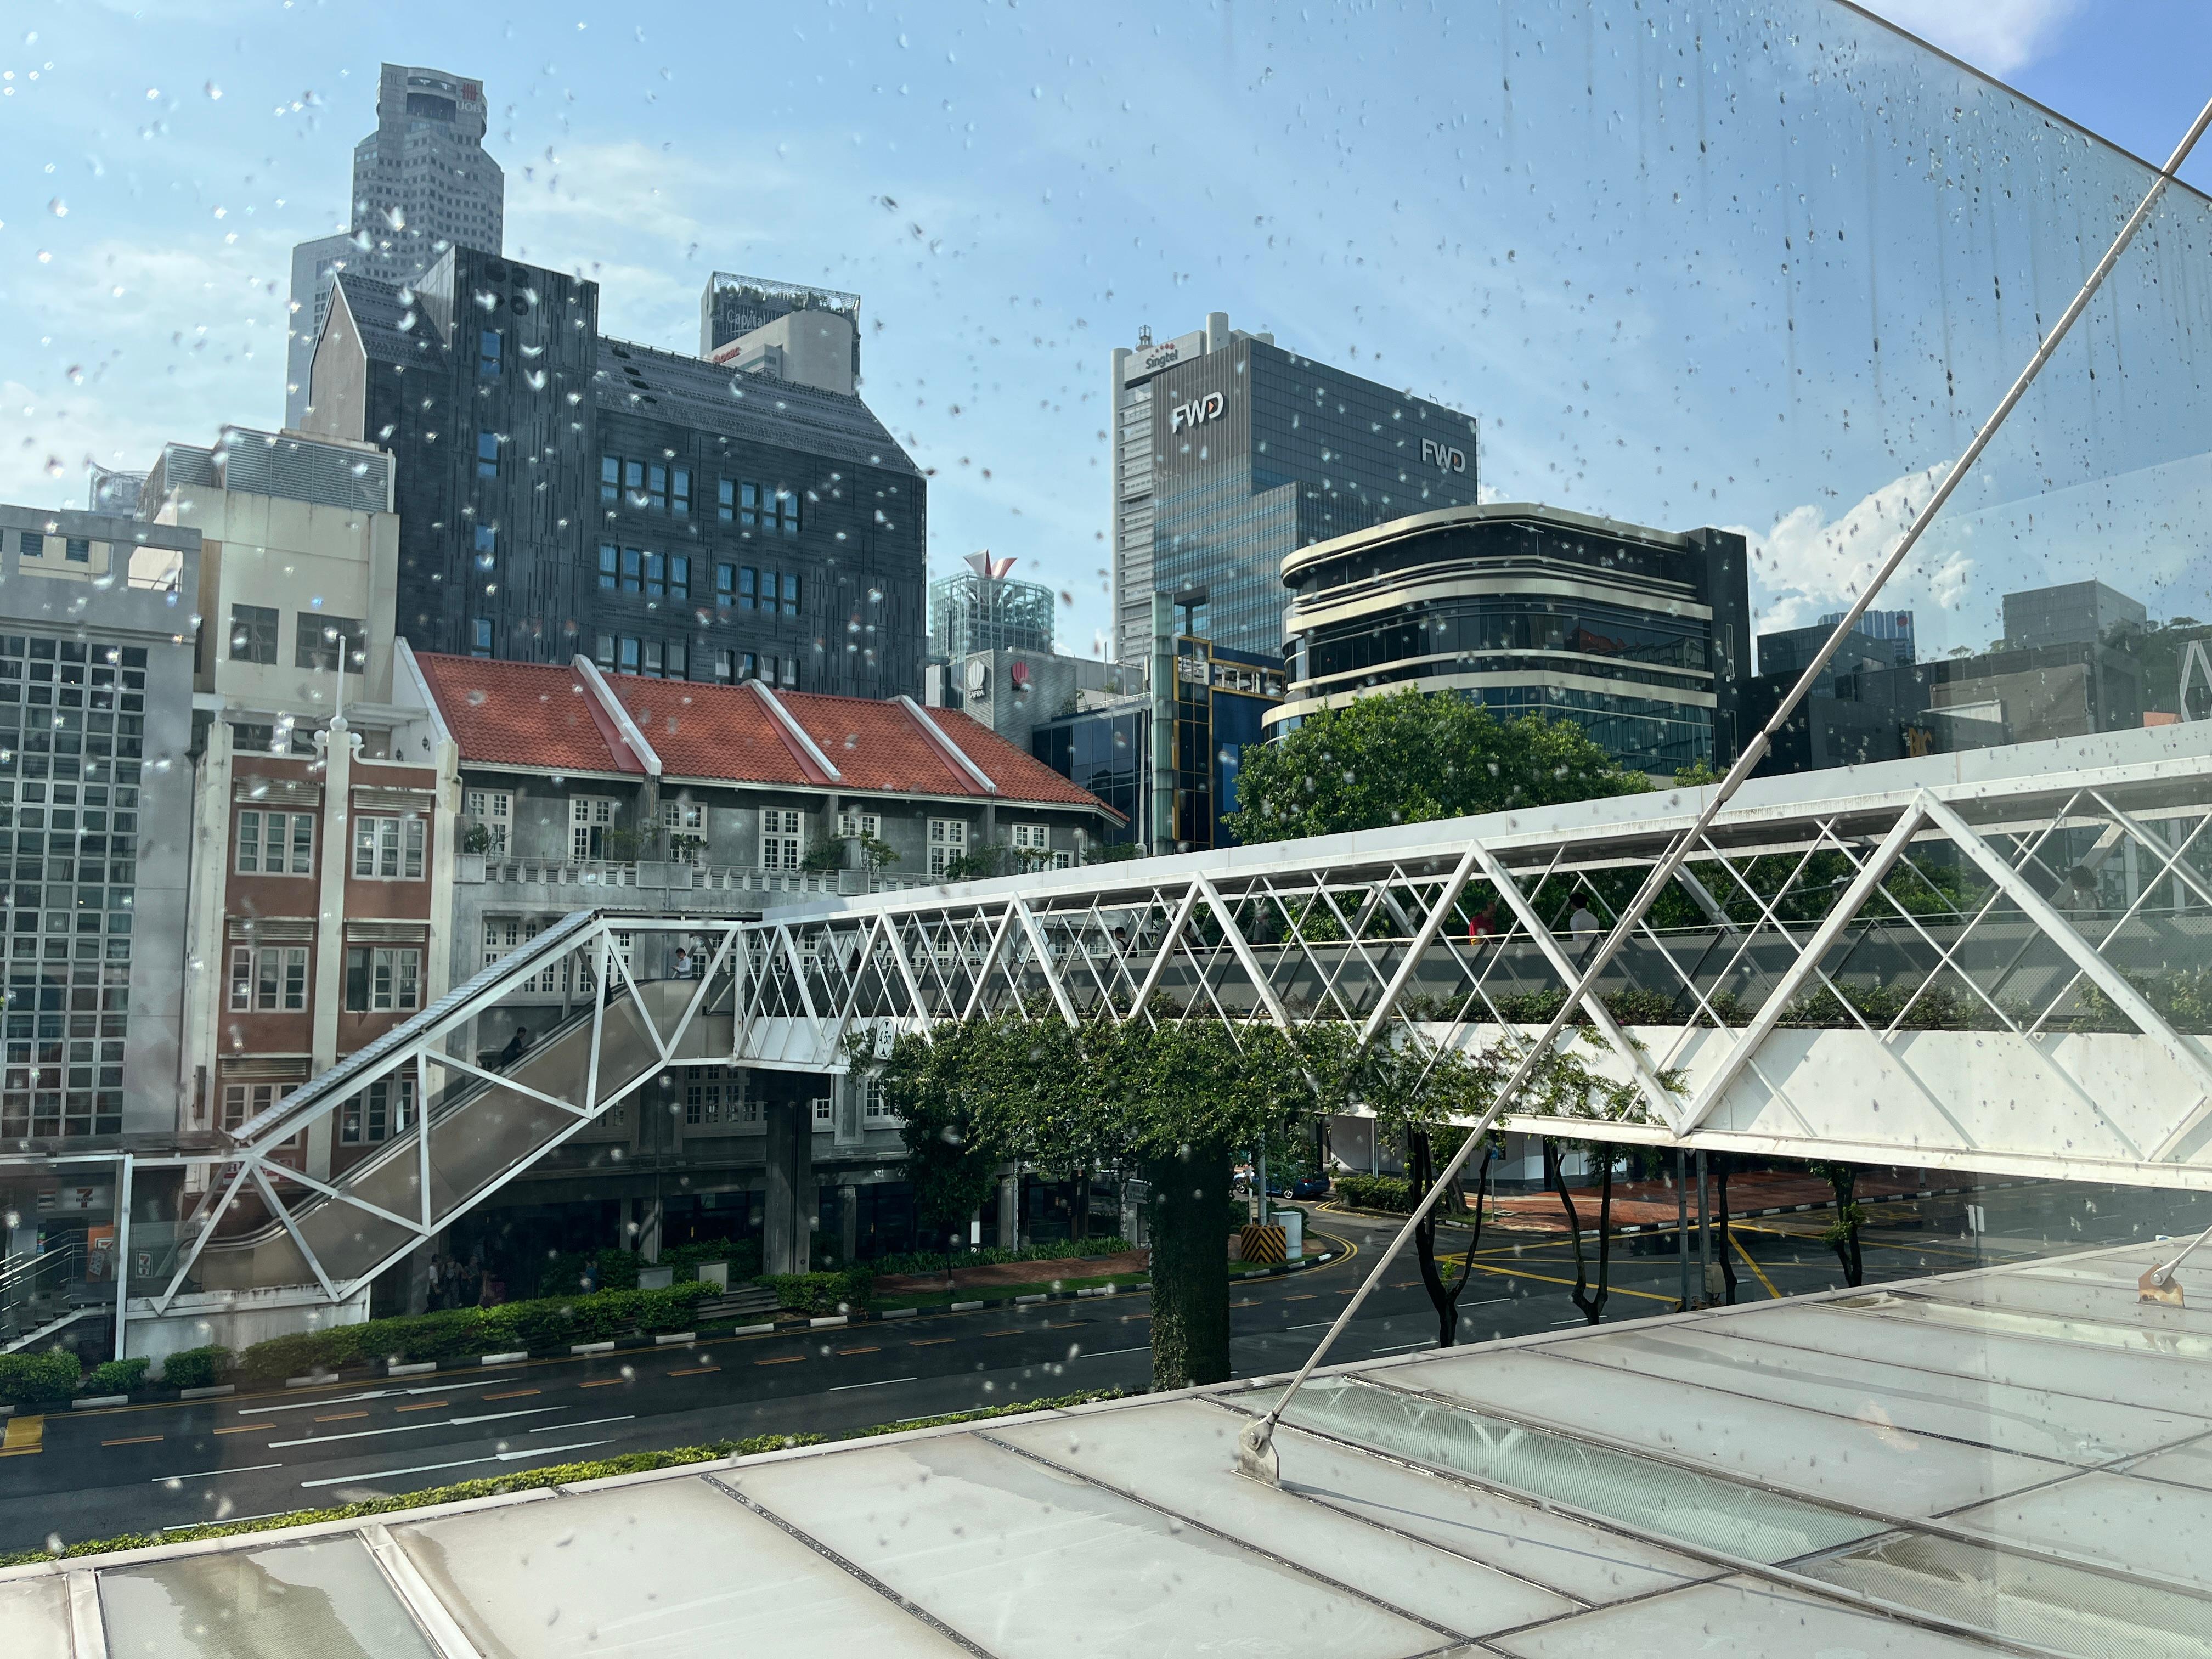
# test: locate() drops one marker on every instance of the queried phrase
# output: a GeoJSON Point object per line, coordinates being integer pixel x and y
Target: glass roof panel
{"type": "Point", "coordinates": [1736, 1617]}
{"type": "Point", "coordinates": [2144, 1525]}
{"type": "Point", "coordinates": [1004, 1550]}
{"type": "Point", "coordinates": [2033, 1421]}
{"type": "Point", "coordinates": [2112, 1303]}
{"type": "Point", "coordinates": [2109, 1333]}
{"type": "Point", "coordinates": [2023, 1361]}
{"type": "Point", "coordinates": [1182, 1456]}
{"type": "Point", "coordinates": [34, 1614]}
{"type": "Point", "coordinates": [674, 1568]}
{"type": "Point", "coordinates": [2187, 1465]}
{"type": "Point", "coordinates": [1701, 1511]}
{"type": "Point", "coordinates": [1872, 1465]}
{"type": "Point", "coordinates": [325, 1597]}
{"type": "Point", "coordinates": [2023, 1599]}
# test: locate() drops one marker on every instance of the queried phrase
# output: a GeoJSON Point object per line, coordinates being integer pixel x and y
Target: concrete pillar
{"type": "Point", "coordinates": [418, 1273]}
{"type": "Point", "coordinates": [1010, 1212]}
{"type": "Point", "coordinates": [648, 1231]}
{"type": "Point", "coordinates": [787, 1233]}
{"type": "Point", "coordinates": [848, 1222]}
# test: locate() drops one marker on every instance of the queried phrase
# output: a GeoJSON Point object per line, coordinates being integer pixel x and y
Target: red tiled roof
{"type": "Point", "coordinates": [525, 714]}
{"type": "Point", "coordinates": [506, 712]}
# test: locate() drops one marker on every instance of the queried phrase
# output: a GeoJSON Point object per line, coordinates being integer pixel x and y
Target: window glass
{"type": "Point", "coordinates": [253, 634]}
{"type": "Point", "coordinates": [490, 344]}
{"type": "Point", "coordinates": [487, 454]}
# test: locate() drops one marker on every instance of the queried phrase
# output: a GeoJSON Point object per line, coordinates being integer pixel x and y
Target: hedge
{"type": "Point", "coordinates": [37, 1379]}
{"type": "Point", "coordinates": [821, 1293]}
{"type": "Point", "coordinates": [1389, 1194]}
{"type": "Point", "coordinates": [925, 1261]}
{"type": "Point", "coordinates": [116, 1377]}
{"type": "Point", "coordinates": [458, 1333]}
{"type": "Point", "coordinates": [197, 1368]}
{"type": "Point", "coordinates": [559, 1475]}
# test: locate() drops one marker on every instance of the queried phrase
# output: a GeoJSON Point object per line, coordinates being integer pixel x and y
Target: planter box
{"type": "Point", "coordinates": [412, 1370]}
{"type": "Point", "coordinates": [670, 1339]}
{"type": "Point", "coordinates": [468, 866]}
{"type": "Point", "coordinates": [514, 1358]}
{"type": "Point", "coordinates": [655, 1279]}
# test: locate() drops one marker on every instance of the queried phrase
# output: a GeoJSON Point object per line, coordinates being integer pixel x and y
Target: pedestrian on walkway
{"type": "Point", "coordinates": [1584, 925]}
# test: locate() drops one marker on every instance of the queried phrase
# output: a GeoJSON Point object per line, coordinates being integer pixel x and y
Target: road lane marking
{"type": "Point", "coordinates": [371, 1393]}
{"type": "Point", "coordinates": [425, 1406]}
{"type": "Point", "coordinates": [1756, 1269]}
{"type": "Point", "coordinates": [512, 1394]}
{"type": "Point", "coordinates": [133, 1440]}
{"type": "Point", "coordinates": [1303, 1296]}
{"type": "Point", "coordinates": [411, 1428]}
{"type": "Point", "coordinates": [208, 1475]}
{"type": "Point", "coordinates": [782, 1359]}
{"type": "Point", "coordinates": [1396, 1347]}
{"type": "Point", "coordinates": [886, 1383]}
{"type": "Point", "coordinates": [929, 1341]}
{"type": "Point", "coordinates": [24, 1437]}
{"type": "Point", "coordinates": [603, 1383]}
{"type": "Point", "coordinates": [341, 1417]}
{"type": "Point", "coordinates": [693, 1370]}
{"type": "Point", "coordinates": [1101, 1353]}
{"type": "Point", "coordinates": [589, 1422]}
{"type": "Point", "coordinates": [466, 1462]}
{"type": "Point", "coordinates": [847, 1351]}
{"type": "Point", "coordinates": [244, 1428]}
{"type": "Point", "coordinates": [1017, 1331]}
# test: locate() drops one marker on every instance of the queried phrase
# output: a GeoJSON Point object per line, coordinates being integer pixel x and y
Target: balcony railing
{"type": "Point", "coordinates": [602, 874]}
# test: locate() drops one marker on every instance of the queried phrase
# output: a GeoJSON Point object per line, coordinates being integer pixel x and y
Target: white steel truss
{"type": "Point", "coordinates": [1999, 962]}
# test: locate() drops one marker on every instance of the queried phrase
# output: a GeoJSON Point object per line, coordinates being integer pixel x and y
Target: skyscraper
{"type": "Point", "coordinates": [1230, 453]}
{"type": "Point", "coordinates": [422, 184]}
{"type": "Point", "coordinates": [984, 608]}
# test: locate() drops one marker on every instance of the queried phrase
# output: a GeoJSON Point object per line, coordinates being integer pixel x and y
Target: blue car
{"type": "Point", "coordinates": [1312, 1186]}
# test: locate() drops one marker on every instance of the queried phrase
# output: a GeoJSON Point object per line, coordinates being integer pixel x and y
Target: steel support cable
{"type": "Point", "coordinates": [1256, 1452]}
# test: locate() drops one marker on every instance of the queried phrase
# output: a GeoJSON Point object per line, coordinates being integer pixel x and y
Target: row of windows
{"type": "Point", "coordinates": [75, 550]}
{"type": "Point", "coordinates": [272, 979]}
{"type": "Point", "coordinates": [671, 659]}
{"type": "Point", "coordinates": [317, 642]}
{"type": "Point", "coordinates": [783, 831]}
{"type": "Point", "coordinates": [385, 848]}
{"type": "Point", "coordinates": [649, 486]}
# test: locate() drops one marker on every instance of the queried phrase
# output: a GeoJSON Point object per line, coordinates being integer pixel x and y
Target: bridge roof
{"type": "Point", "coordinates": [2007, 1459]}
{"type": "Point", "coordinates": [545, 716]}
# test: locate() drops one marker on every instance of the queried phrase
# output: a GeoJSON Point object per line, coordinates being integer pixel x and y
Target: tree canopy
{"type": "Point", "coordinates": [1405, 758]}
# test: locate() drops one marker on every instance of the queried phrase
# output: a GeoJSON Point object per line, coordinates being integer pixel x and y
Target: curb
{"type": "Point", "coordinates": [317, 1381]}
{"type": "Point", "coordinates": [419, 1368]}
{"type": "Point", "coordinates": [216, 1392]}
{"type": "Point", "coordinates": [92, 1402]}
{"type": "Point", "coordinates": [591, 1348]}
{"type": "Point", "coordinates": [512, 1359]}
{"type": "Point", "coordinates": [675, 1338]}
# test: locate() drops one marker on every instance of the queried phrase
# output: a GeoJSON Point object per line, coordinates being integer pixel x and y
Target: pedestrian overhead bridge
{"type": "Point", "coordinates": [1994, 961]}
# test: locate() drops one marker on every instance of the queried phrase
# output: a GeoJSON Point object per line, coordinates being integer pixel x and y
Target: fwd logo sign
{"type": "Point", "coordinates": [1198, 411]}
{"type": "Point", "coordinates": [1443, 457]}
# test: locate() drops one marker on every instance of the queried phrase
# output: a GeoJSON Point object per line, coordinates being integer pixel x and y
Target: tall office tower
{"type": "Point", "coordinates": [1230, 454]}
{"type": "Point", "coordinates": [732, 307]}
{"type": "Point", "coordinates": [561, 492]}
{"type": "Point", "coordinates": [983, 608]}
{"type": "Point", "coordinates": [422, 184]}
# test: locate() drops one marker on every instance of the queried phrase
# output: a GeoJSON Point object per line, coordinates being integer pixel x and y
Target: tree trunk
{"type": "Point", "coordinates": [1844, 1237]}
{"type": "Point", "coordinates": [1444, 1298]}
{"type": "Point", "coordinates": [1190, 1267]}
{"type": "Point", "coordinates": [1721, 1227]}
{"type": "Point", "coordinates": [1555, 1177]}
{"type": "Point", "coordinates": [1594, 1308]}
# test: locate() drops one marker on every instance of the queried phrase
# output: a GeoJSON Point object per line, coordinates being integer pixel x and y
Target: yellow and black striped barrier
{"type": "Point", "coordinates": [1263, 1243]}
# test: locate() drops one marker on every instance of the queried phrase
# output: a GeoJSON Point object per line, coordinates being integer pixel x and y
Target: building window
{"type": "Point", "coordinates": [748, 582]}
{"type": "Point", "coordinates": [603, 651]}
{"type": "Point", "coordinates": [268, 978]}
{"type": "Point", "coordinates": [749, 500]}
{"type": "Point", "coordinates": [78, 549]}
{"type": "Point", "coordinates": [824, 1115]}
{"type": "Point", "coordinates": [656, 489]}
{"type": "Point", "coordinates": [948, 839]}
{"type": "Point", "coordinates": [242, 1101]}
{"type": "Point", "coordinates": [611, 479]}
{"type": "Point", "coordinates": [651, 667]}
{"type": "Point", "coordinates": [486, 540]}
{"type": "Point", "coordinates": [480, 636]}
{"type": "Point", "coordinates": [253, 634]}
{"type": "Point", "coordinates": [782, 838]}
{"type": "Point", "coordinates": [276, 843]}
{"type": "Point", "coordinates": [725, 499]}
{"type": "Point", "coordinates": [679, 490]}
{"type": "Point", "coordinates": [380, 980]}
{"type": "Point", "coordinates": [679, 576]}
{"type": "Point", "coordinates": [870, 825]}
{"type": "Point", "coordinates": [491, 811]}
{"type": "Point", "coordinates": [787, 675]}
{"type": "Point", "coordinates": [790, 593]}
{"type": "Point", "coordinates": [387, 849]}
{"type": "Point", "coordinates": [487, 454]}
{"type": "Point", "coordinates": [679, 661]}
{"type": "Point", "coordinates": [318, 640]}
{"type": "Point", "coordinates": [626, 659]}
{"type": "Point", "coordinates": [385, 1108]}
{"type": "Point", "coordinates": [1063, 861]}
{"type": "Point", "coordinates": [609, 565]}
{"type": "Point", "coordinates": [686, 815]}
{"type": "Point", "coordinates": [30, 543]}
{"type": "Point", "coordinates": [590, 818]}
{"type": "Point", "coordinates": [877, 1109]}
{"type": "Point", "coordinates": [490, 346]}
{"type": "Point", "coordinates": [784, 512]}
{"type": "Point", "coordinates": [1032, 838]}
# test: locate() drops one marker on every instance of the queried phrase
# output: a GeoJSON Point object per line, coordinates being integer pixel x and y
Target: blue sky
{"type": "Point", "coordinates": [1568, 220]}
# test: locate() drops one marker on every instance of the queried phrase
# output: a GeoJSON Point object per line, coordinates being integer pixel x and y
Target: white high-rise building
{"type": "Point", "coordinates": [422, 182]}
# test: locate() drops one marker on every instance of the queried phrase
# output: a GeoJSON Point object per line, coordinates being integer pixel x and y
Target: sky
{"type": "Point", "coordinates": [1757, 263]}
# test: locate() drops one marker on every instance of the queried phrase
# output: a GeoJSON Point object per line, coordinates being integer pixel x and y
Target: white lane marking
{"type": "Point", "coordinates": [1394, 1348]}
{"type": "Point", "coordinates": [1105, 1353]}
{"type": "Point", "coordinates": [885, 1383]}
{"type": "Point", "coordinates": [203, 1475]}
{"type": "Point", "coordinates": [412, 1428]}
{"type": "Point", "coordinates": [589, 1422]}
{"type": "Point", "coordinates": [463, 1463]}
{"type": "Point", "coordinates": [373, 1394]}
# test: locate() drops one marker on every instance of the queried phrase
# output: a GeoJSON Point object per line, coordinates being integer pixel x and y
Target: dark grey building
{"type": "Point", "coordinates": [1638, 635]}
{"type": "Point", "coordinates": [1230, 453]}
{"type": "Point", "coordinates": [422, 184]}
{"type": "Point", "coordinates": [96, 644]}
{"type": "Point", "coordinates": [559, 492]}
{"type": "Point", "coordinates": [2071, 613]}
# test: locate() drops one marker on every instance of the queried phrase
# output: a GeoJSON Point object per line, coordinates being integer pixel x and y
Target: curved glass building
{"type": "Point", "coordinates": [1640, 635]}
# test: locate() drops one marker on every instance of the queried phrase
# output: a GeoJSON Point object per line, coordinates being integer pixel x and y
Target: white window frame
{"type": "Point", "coordinates": [268, 978]}
{"type": "Point", "coordinates": [587, 814]}
{"type": "Point", "coordinates": [242, 1101]}
{"type": "Point", "coordinates": [948, 839]}
{"type": "Point", "coordinates": [387, 847]}
{"type": "Point", "coordinates": [1032, 838]}
{"type": "Point", "coordinates": [866, 825]}
{"type": "Point", "coordinates": [494, 810]}
{"type": "Point", "coordinates": [395, 979]}
{"type": "Point", "coordinates": [825, 1112]}
{"type": "Point", "coordinates": [874, 1108]}
{"type": "Point", "coordinates": [782, 838]}
{"type": "Point", "coordinates": [269, 844]}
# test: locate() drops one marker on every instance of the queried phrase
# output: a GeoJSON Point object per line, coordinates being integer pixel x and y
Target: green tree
{"type": "Point", "coordinates": [1842, 1235]}
{"type": "Point", "coordinates": [945, 1084]}
{"type": "Point", "coordinates": [1402, 757]}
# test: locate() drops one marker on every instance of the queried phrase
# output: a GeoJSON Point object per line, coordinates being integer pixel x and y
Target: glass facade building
{"type": "Point", "coordinates": [1231, 452]}
{"type": "Point", "coordinates": [1637, 636]}
{"type": "Point", "coordinates": [969, 613]}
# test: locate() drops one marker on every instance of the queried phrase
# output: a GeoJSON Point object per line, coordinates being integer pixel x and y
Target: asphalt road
{"type": "Point", "coordinates": [97, 1474]}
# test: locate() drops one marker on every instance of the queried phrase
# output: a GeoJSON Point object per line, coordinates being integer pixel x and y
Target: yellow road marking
{"type": "Point", "coordinates": [1016, 1332]}
{"type": "Point", "coordinates": [340, 1417]}
{"type": "Point", "coordinates": [25, 1435]}
{"type": "Point", "coordinates": [1303, 1296]}
{"type": "Point", "coordinates": [603, 1383]}
{"type": "Point", "coordinates": [1757, 1272]}
{"type": "Point", "coordinates": [248, 1428]}
{"type": "Point", "coordinates": [784, 1359]}
{"type": "Point", "coordinates": [689, 1370]}
{"type": "Point", "coordinates": [847, 1351]}
{"type": "Point", "coordinates": [133, 1440]}
{"type": "Point", "coordinates": [512, 1394]}
{"type": "Point", "coordinates": [1611, 1290]}
{"type": "Point", "coordinates": [426, 1405]}
{"type": "Point", "coordinates": [922, 1342]}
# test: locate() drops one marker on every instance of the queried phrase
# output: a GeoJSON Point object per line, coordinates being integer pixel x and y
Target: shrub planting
{"type": "Point", "coordinates": [115, 1377]}
{"type": "Point", "coordinates": [37, 1379]}
{"type": "Point", "coordinates": [822, 1294]}
{"type": "Point", "coordinates": [197, 1368]}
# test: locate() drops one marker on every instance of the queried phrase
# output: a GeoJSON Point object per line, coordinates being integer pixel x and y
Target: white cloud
{"type": "Point", "coordinates": [1994, 36]}
{"type": "Point", "coordinates": [1809, 564]}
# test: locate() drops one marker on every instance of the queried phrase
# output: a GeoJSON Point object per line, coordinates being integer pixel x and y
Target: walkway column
{"type": "Point", "coordinates": [788, 1231]}
{"type": "Point", "coordinates": [848, 1223]}
{"type": "Point", "coordinates": [1010, 1212]}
